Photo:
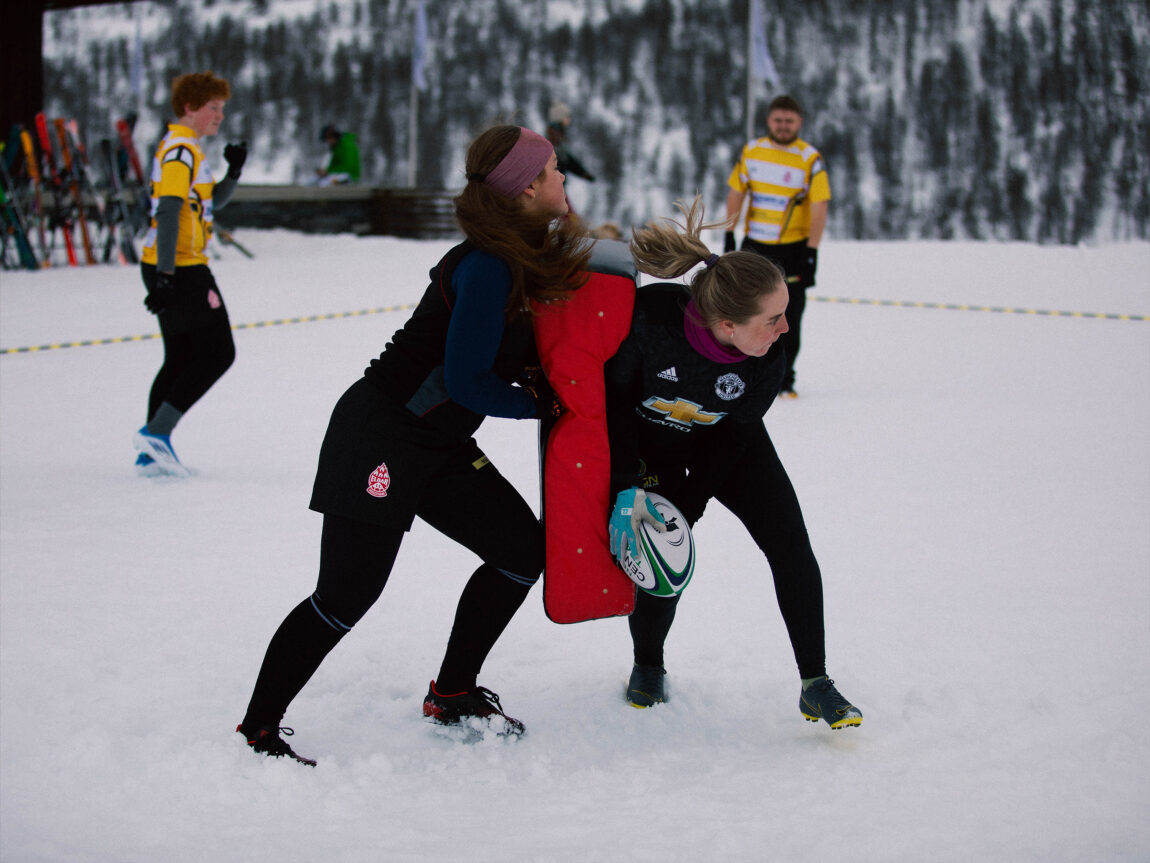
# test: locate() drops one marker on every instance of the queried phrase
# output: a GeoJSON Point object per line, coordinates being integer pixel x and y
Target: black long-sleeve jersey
{"type": "Point", "coordinates": [493, 352]}
{"type": "Point", "coordinates": [672, 410]}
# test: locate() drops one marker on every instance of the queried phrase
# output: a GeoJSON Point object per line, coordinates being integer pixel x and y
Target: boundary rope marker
{"type": "Point", "coordinates": [255, 325]}
{"type": "Point", "coordinates": [971, 307]}
{"type": "Point", "coordinates": [851, 301]}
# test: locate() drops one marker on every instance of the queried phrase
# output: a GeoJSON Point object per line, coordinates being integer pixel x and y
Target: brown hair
{"type": "Point", "coordinates": [730, 289]}
{"type": "Point", "coordinates": [546, 261]}
{"type": "Point", "coordinates": [197, 89]}
{"type": "Point", "coordinates": [785, 103]}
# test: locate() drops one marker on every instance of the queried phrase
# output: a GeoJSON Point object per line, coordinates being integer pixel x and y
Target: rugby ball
{"type": "Point", "coordinates": [663, 563]}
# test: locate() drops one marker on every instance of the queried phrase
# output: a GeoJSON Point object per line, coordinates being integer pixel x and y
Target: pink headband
{"type": "Point", "coordinates": [525, 161]}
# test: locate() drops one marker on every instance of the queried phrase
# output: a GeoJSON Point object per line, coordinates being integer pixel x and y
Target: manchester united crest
{"type": "Point", "coordinates": [729, 387]}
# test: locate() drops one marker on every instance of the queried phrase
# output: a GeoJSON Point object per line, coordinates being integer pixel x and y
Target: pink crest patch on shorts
{"type": "Point", "coordinates": [214, 298]}
{"type": "Point", "coordinates": [379, 482]}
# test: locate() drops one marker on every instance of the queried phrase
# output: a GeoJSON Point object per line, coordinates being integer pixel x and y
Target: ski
{"type": "Point", "coordinates": [98, 194]}
{"type": "Point", "coordinates": [59, 218]}
{"type": "Point", "coordinates": [14, 224]}
{"type": "Point", "coordinates": [15, 204]}
{"type": "Point", "coordinates": [142, 202]}
{"type": "Point", "coordinates": [122, 216]}
{"type": "Point", "coordinates": [228, 240]}
{"type": "Point", "coordinates": [31, 165]}
{"type": "Point", "coordinates": [71, 176]}
{"type": "Point", "coordinates": [125, 130]}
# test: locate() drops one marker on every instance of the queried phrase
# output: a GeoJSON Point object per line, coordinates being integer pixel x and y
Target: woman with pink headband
{"type": "Point", "coordinates": [400, 445]}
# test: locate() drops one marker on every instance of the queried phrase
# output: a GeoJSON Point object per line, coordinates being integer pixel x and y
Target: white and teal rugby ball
{"type": "Point", "coordinates": [663, 563]}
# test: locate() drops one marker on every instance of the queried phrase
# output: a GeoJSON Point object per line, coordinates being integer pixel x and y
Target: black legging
{"type": "Point", "coordinates": [197, 335]}
{"type": "Point", "coordinates": [759, 492]}
{"type": "Point", "coordinates": [792, 338]}
{"type": "Point", "coordinates": [193, 362]}
{"type": "Point", "coordinates": [488, 517]}
{"type": "Point", "coordinates": [791, 258]}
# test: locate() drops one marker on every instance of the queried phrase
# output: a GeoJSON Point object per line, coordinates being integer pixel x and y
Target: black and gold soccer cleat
{"type": "Point", "coordinates": [821, 700]}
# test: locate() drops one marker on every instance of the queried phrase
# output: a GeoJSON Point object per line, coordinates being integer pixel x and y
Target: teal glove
{"type": "Point", "coordinates": [632, 507]}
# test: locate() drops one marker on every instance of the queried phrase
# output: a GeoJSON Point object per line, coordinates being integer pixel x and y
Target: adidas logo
{"type": "Point", "coordinates": [668, 375]}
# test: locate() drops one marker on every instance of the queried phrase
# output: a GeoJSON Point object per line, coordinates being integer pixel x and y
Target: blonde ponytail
{"type": "Point", "coordinates": [729, 288]}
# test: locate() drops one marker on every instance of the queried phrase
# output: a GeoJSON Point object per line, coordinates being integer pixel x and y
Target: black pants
{"type": "Point", "coordinates": [197, 336]}
{"type": "Point", "coordinates": [484, 514]}
{"type": "Point", "coordinates": [791, 258]}
{"type": "Point", "coordinates": [761, 496]}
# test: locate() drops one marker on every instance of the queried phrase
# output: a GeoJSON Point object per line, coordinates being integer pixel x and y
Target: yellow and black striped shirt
{"type": "Point", "coordinates": [783, 181]}
{"type": "Point", "coordinates": [180, 170]}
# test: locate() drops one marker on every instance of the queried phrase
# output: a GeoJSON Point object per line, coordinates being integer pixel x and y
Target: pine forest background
{"type": "Point", "coordinates": [981, 119]}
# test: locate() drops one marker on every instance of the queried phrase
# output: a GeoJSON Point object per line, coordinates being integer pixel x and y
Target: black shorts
{"type": "Point", "coordinates": [197, 303]}
{"type": "Point", "coordinates": [791, 258]}
{"type": "Point", "coordinates": [379, 462]}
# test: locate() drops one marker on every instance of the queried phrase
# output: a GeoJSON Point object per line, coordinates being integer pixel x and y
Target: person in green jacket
{"type": "Point", "coordinates": [343, 166]}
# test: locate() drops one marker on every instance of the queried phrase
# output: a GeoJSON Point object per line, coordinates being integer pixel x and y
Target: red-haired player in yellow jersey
{"type": "Point", "coordinates": [198, 345]}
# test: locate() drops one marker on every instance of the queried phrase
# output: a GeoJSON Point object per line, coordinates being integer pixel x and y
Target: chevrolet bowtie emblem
{"type": "Point", "coordinates": [682, 411]}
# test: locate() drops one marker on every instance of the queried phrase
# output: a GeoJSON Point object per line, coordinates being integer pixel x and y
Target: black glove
{"type": "Point", "coordinates": [810, 265]}
{"type": "Point", "coordinates": [728, 242]}
{"type": "Point", "coordinates": [161, 296]}
{"type": "Point", "coordinates": [547, 405]}
{"type": "Point", "coordinates": [548, 408]}
{"type": "Point", "coordinates": [235, 155]}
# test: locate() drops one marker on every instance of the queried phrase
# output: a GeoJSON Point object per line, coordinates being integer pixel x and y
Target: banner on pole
{"type": "Point", "coordinates": [136, 73]}
{"type": "Point", "coordinates": [419, 52]}
{"type": "Point", "coordinates": [764, 66]}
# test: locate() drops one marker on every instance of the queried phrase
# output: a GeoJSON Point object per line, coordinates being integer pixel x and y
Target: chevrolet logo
{"type": "Point", "coordinates": [682, 411]}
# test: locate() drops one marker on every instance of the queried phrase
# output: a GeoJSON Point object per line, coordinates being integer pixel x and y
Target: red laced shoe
{"type": "Point", "coordinates": [458, 707]}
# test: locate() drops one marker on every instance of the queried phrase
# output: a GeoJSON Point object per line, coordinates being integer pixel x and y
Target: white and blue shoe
{"type": "Point", "coordinates": [146, 466]}
{"type": "Point", "coordinates": [157, 458]}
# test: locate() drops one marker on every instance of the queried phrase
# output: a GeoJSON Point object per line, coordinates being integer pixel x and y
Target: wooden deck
{"type": "Point", "coordinates": [413, 213]}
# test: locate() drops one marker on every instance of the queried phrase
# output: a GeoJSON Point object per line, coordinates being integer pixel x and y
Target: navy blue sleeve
{"type": "Point", "coordinates": [482, 283]}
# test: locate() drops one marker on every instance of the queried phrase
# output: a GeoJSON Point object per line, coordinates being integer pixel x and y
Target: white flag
{"type": "Point", "coordinates": [137, 68]}
{"type": "Point", "coordinates": [419, 52]}
{"type": "Point", "coordinates": [764, 66]}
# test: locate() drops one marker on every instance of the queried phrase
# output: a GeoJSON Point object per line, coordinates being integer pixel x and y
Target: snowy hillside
{"type": "Point", "coordinates": [986, 119]}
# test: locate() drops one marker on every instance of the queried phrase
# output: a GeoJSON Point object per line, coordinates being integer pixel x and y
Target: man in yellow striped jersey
{"type": "Point", "coordinates": [198, 345]}
{"type": "Point", "coordinates": [788, 187]}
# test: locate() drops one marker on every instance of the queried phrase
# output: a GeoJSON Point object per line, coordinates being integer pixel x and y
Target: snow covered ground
{"type": "Point", "coordinates": [977, 487]}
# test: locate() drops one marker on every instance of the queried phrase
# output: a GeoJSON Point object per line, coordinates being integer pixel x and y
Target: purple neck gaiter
{"type": "Point", "coordinates": [700, 338]}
